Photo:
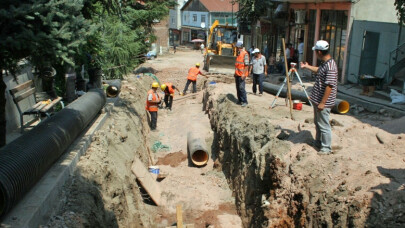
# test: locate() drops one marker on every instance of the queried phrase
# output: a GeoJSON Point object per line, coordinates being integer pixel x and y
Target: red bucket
{"type": "Point", "coordinates": [297, 105]}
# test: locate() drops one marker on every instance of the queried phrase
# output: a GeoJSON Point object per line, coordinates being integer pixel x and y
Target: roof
{"type": "Point", "coordinates": [219, 5]}
{"type": "Point", "coordinates": [216, 5]}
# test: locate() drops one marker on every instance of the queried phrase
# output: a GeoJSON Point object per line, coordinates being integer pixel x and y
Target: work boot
{"type": "Point", "coordinates": [244, 104]}
{"type": "Point", "coordinates": [324, 152]}
{"type": "Point", "coordinates": [238, 103]}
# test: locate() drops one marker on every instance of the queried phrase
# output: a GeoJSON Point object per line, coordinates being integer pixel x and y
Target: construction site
{"type": "Point", "coordinates": [252, 166]}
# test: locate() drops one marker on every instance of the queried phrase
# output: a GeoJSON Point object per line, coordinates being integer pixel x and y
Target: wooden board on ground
{"type": "Point", "coordinates": [184, 226]}
{"type": "Point", "coordinates": [146, 180]}
{"type": "Point", "coordinates": [179, 214]}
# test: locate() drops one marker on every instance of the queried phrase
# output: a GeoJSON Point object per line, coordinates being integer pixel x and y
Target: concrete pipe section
{"type": "Point", "coordinates": [341, 106]}
{"type": "Point", "coordinates": [114, 87]}
{"type": "Point", "coordinates": [197, 149]}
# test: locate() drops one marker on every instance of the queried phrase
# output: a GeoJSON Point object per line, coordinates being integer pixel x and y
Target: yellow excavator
{"type": "Point", "coordinates": [220, 53]}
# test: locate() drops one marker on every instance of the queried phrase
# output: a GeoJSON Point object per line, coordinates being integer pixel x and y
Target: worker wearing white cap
{"type": "Point", "coordinates": [323, 95]}
{"type": "Point", "coordinates": [258, 67]}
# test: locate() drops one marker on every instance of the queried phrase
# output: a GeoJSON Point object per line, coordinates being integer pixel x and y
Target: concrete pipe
{"type": "Point", "coordinates": [341, 106]}
{"type": "Point", "coordinates": [197, 149]}
{"type": "Point", "coordinates": [114, 87]}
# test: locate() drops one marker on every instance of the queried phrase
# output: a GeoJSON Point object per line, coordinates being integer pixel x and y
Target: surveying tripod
{"type": "Point", "coordinates": [291, 74]}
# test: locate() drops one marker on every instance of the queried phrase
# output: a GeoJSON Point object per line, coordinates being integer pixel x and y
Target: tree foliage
{"type": "Point", "coordinates": [400, 7]}
{"type": "Point", "coordinates": [252, 10]}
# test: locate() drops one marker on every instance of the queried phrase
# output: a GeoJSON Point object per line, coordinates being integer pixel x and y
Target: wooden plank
{"type": "Point", "coordinates": [185, 226]}
{"type": "Point", "coordinates": [25, 95]}
{"type": "Point", "coordinates": [40, 106]}
{"type": "Point", "coordinates": [179, 214]}
{"type": "Point", "coordinates": [21, 86]}
{"type": "Point", "coordinates": [50, 105]}
{"type": "Point", "coordinates": [146, 180]}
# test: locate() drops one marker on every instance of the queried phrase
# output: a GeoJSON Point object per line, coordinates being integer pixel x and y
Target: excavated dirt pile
{"type": "Point", "coordinates": [103, 192]}
{"type": "Point", "coordinates": [279, 181]}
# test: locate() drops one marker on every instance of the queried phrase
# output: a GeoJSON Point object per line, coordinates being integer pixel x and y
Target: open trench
{"type": "Point", "coordinates": [265, 184]}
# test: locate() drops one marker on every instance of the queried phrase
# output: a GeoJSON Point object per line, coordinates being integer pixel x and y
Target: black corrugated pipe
{"type": "Point", "coordinates": [341, 106]}
{"type": "Point", "coordinates": [114, 87]}
{"type": "Point", "coordinates": [25, 160]}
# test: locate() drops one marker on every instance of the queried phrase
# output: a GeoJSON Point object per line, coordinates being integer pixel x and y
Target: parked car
{"type": "Point", "coordinates": [151, 55]}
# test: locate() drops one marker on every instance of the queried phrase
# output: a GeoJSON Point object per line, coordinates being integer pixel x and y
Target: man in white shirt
{"type": "Point", "coordinates": [258, 67]}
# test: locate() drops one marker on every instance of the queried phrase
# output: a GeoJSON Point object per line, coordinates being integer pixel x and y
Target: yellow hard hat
{"type": "Point", "coordinates": [197, 64]}
{"type": "Point", "coordinates": [155, 85]}
{"type": "Point", "coordinates": [163, 87]}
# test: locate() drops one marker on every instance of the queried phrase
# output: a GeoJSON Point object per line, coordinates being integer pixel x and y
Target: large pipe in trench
{"type": "Point", "coordinates": [114, 87]}
{"type": "Point", "coordinates": [197, 149]}
{"type": "Point", "coordinates": [341, 106]}
{"type": "Point", "coordinates": [25, 160]}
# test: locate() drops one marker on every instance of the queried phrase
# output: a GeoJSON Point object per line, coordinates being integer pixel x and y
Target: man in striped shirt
{"type": "Point", "coordinates": [323, 95]}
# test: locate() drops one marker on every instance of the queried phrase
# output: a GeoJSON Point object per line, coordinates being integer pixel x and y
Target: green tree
{"type": "Point", "coordinates": [47, 32]}
{"type": "Point", "coordinates": [400, 7]}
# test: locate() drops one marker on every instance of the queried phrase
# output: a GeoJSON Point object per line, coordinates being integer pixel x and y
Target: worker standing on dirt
{"type": "Point", "coordinates": [241, 72]}
{"type": "Point", "coordinates": [152, 102]}
{"type": "Point", "coordinates": [193, 72]}
{"type": "Point", "coordinates": [323, 95]}
{"type": "Point", "coordinates": [168, 89]}
{"type": "Point", "coordinates": [259, 69]}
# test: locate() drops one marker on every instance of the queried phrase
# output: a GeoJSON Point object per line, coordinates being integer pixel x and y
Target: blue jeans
{"type": "Point", "coordinates": [323, 137]}
{"type": "Point", "coordinates": [188, 83]}
{"type": "Point", "coordinates": [240, 89]}
{"type": "Point", "coordinates": [258, 79]}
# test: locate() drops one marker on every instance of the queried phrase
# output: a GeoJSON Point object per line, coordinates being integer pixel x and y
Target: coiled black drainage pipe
{"type": "Point", "coordinates": [25, 160]}
{"type": "Point", "coordinates": [197, 149]}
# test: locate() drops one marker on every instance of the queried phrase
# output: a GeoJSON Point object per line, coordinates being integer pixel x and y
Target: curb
{"type": "Point", "coordinates": [39, 203]}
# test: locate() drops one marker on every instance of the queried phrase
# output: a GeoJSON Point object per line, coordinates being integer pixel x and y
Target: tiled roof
{"type": "Point", "coordinates": [219, 5]}
{"type": "Point", "coordinates": [216, 5]}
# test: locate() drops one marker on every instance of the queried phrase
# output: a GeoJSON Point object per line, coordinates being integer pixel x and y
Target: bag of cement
{"type": "Point", "coordinates": [396, 97]}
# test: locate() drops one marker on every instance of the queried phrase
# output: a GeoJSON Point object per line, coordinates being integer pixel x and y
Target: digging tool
{"type": "Point", "coordinates": [179, 214]}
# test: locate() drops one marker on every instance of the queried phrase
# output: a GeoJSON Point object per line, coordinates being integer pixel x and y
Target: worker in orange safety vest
{"type": "Point", "coordinates": [152, 105]}
{"type": "Point", "coordinates": [168, 89]}
{"type": "Point", "coordinates": [193, 72]}
{"type": "Point", "coordinates": [241, 72]}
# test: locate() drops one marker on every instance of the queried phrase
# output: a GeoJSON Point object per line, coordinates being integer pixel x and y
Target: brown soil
{"type": "Point", "coordinates": [172, 159]}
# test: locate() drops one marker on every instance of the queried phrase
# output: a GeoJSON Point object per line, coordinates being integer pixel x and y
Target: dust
{"type": "Point", "coordinates": [172, 159]}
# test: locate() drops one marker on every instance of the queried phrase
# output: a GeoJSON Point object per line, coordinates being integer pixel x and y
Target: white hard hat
{"type": "Point", "coordinates": [256, 51]}
{"type": "Point", "coordinates": [321, 45]}
{"type": "Point", "coordinates": [239, 44]}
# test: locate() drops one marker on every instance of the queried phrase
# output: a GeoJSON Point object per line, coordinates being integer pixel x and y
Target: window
{"type": "Point", "coordinates": [172, 20]}
{"type": "Point", "coordinates": [195, 17]}
{"type": "Point", "coordinates": [202, 18]}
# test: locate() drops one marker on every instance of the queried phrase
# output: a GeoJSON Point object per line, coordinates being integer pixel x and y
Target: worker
{"type": "Point", "coordinates": [193, 72]}
{"type": "Point", "coordinates": [152, 102]}
{"type": "Point", "coordinates": [168, 89]}
{"type": "Point", "coordinates": [323, 95]}
{"type": "Point", "coordinates": [241, 72]}
{"type": "Point", "coordinates": [259, 69]}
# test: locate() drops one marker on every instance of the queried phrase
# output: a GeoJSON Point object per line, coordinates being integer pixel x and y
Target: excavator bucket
{"type": "Point", "coordinates": [220, 64]}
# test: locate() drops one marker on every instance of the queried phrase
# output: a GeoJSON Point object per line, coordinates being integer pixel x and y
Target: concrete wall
{"type": "Point", "coordinates": [161, 31]}
{"type": "Point", "coordinates": [12, 115]}
{"type": "Point", "coordinates": [187, 18]}
{"type": "Point", "coordinates": [374, 10]}
{"type": "Point", "coordinates": [388, 40]}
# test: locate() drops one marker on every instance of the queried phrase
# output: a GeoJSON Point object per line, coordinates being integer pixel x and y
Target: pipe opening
{"type": "Point", "coordinates": [199, 158]}
{"type": "Point", "coordinates": [112, 91]}
{"type": "Point", "coordinates": [343, 107]}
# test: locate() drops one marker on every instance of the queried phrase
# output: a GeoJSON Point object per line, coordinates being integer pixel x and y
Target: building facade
{"type": "Point", "coordinates": [197, 17]}
{"type": "Point", "coordinates": [175, 23]}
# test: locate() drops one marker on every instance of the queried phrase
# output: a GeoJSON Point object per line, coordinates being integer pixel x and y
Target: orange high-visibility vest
{"type": "Point", "coordinates": [152, 107]}
{"type": "Point", "coordinates": [169, 86]}
{"type": "Point", "coordinates": [193, 73]}
{"type": "Point", "coordinates": [240, 68]}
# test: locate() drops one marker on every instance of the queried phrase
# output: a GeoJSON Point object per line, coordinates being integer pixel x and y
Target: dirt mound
{"type": "Point", "coordinates": [280, 181]}
{"type": "Point", "coordinates": [172, 159]}
{"type": "Point", "coordinates": [103, 191]}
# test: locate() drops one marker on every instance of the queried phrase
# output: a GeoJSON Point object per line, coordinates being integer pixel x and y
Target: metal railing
{"type": "Point", "coordinates": [395, 61]}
